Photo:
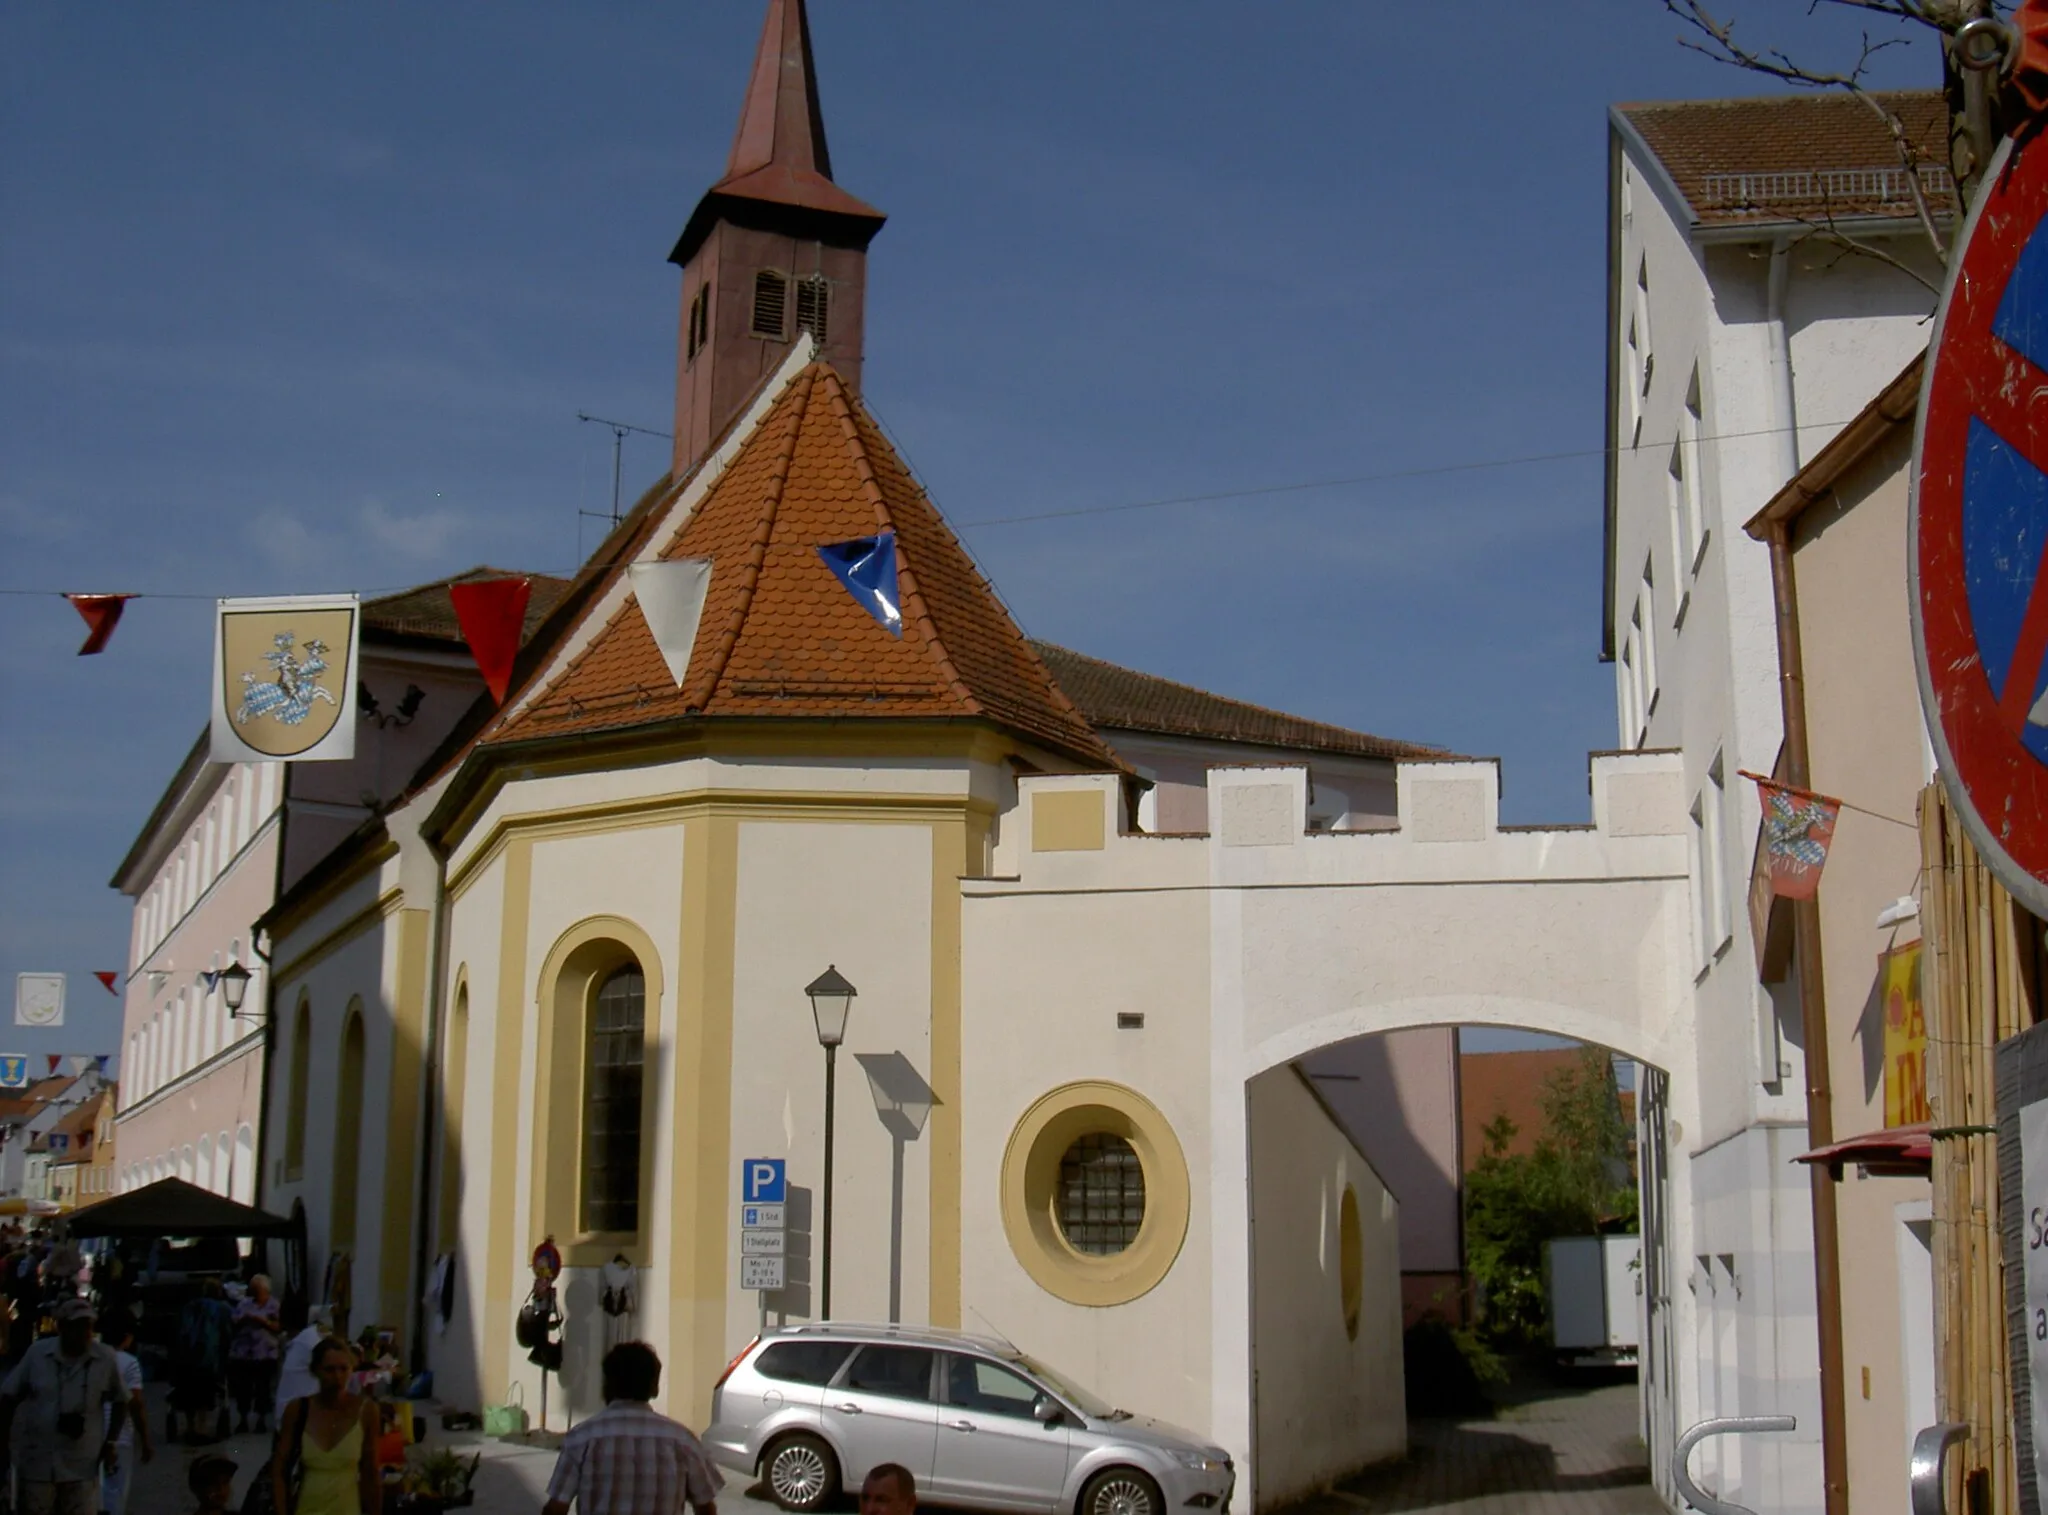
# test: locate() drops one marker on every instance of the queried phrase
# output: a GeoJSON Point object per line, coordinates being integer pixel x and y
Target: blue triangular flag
{"type": "Point", "coordinates": [208, 979]}
{"type": "Point", "coordinates": [100, 1062]}
{"type": "Point", "coordinates": [867, 567]}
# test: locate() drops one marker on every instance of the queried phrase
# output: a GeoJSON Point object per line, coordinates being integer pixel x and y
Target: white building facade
{"type": "Point", "coordinates": [1744, 332]}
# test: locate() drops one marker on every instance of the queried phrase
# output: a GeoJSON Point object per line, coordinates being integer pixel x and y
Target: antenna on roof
{"type": "Point", "coordinates": [619, 430]}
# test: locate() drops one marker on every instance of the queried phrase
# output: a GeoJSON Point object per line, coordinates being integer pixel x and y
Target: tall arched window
{"type": "Point", "coordinates": [202, 1175]}
{"type": "Point", "coordinates": [295, 1092]}
{"type": "Point", "coordinates": [615, 1046]}
{"type": "Point", "coordinates": [348, 1134]}
{"type": "Point", "coordinates": [242, 1181]}
{"type": "Point", "coordinates": [454, 1079]}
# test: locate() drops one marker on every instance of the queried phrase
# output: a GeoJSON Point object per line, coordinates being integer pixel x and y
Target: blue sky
{"type": "Point", "coordinates": [307, 298]}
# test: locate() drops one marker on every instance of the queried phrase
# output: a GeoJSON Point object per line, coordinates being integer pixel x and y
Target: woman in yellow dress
{"type": "Point", "coordinates": [336, 1436]}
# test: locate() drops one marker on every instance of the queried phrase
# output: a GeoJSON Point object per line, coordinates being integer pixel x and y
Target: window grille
{"type": "Point", "coordinates": [771, 303]}
{"type": "Point", "coordinates": [814, 307]}
{"type": "Point", "coordinates": [615, 1050]}
{"type": "Point", "coordinates": [1102, 1194]}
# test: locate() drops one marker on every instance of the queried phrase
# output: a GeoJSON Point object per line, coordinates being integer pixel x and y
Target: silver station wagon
{"type": "Point", "coordinates": [811, 1409]}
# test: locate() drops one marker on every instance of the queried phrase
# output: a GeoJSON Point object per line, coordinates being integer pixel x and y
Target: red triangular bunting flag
{"type": "Point", "coordinates": [55, 1058]}
{"type": "Point", "coordinates": [102, 614]}
{"type": "Point", "coordinates": [109, 980]}
{"type": "Point", "coordinates": [491, 613]}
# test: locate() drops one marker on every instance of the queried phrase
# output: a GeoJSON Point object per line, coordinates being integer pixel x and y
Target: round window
{"type": "Point", "coordinates": [1102, 1194]}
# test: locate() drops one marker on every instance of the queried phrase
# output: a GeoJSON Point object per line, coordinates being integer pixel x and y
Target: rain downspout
{"type": "Point", "coordinates": [1784, 417]}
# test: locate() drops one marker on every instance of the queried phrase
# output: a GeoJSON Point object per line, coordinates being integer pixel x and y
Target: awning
{"type": "Point", "coordinates": [1896, 1151]}
{"type": "Point", "coordinates": [172, 1207]}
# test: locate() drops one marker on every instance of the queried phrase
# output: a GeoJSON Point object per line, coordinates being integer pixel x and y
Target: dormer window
{"type": "Point", "coordinates": [771, 304]}
{"type": "Point", "coordinates": [814, 307]}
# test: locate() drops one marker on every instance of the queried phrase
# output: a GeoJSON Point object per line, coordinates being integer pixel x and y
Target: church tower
{"type": "Point", "coordinates": [774, 248]}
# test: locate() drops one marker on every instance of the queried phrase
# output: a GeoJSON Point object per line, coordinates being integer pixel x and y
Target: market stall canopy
{"type": "Point", "coordinates": [1901, 1151]}
{"type": "Point", "coordinates": [172, 1207]}
{"type": "Point", "coordinates": [39, 1208]}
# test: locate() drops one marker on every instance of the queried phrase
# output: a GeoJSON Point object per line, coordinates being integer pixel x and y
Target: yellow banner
{"type": "Point", "coordinates": [1905, 1037]}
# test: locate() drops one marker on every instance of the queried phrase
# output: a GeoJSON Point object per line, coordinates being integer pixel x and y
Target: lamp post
{"type": "Point", "coordinates": [831, 998]}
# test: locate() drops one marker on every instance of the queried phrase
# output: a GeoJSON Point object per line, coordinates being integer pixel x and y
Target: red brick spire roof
{"type": "Point", "coordinates": [779, 155]}
{"type": "Point", "coordinates": [780, 636]}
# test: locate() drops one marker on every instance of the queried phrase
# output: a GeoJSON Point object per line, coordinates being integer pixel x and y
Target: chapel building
{"type": "Point", "coordinates": [1095, 920]}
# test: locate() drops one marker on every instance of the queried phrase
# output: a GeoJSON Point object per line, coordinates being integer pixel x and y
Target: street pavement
{"type": "Point", "coordinates": [1547, 1454]}
{"type": "Point", "coordinates": [1568, 1450]}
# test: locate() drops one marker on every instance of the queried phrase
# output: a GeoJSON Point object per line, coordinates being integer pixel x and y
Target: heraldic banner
{"type": "Point", "coordinates": [1905, 1036]}
{"type": "Point", "coordinates": [284, 680]}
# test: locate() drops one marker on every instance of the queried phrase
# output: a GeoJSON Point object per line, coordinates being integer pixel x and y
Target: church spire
{"type": "Point", "coordinates": [773, 250]}
{"type": "Point", "coordinates": [780, 122]}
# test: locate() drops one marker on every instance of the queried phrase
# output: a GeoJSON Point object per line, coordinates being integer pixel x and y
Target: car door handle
{"type": "Point", "coordinates": [849, 1408]}
{"type": "Point", "coordinates": [961, 1425]}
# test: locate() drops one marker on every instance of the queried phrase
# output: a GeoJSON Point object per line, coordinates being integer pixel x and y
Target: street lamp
{"type": "Point", "coordinates": [831, 998]}
{"type": "Point", "coordinates": [234, 986]}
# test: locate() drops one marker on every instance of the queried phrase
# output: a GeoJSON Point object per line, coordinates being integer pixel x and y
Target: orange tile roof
{"type": "Point", "coordinates": [1796, 157]}
{"type": "Point", "coordinates": [780, 636]}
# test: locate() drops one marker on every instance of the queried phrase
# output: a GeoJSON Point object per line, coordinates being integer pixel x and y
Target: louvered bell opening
{"type": "Point", "coordinates": [814, 308]}
{"type": "Point", "coordinates": [771, 304]}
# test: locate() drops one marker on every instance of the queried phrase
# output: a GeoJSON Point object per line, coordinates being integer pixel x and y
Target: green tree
{"type": "Point", "coordinates": [1574, 1182]}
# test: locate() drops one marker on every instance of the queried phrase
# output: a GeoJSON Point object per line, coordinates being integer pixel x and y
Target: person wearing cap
{"type": "Point", "coordinates": [65, 1407]}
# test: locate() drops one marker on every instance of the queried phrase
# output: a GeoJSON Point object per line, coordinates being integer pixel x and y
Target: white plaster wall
{"type": "Point", "coordinates": [1045, 976]}
{"type": "Point", "coordinates": [357, 968]}
{"type": "Point", "coordinates": [636, 874]}
{"type": "Point", "coordinates": [858, 897]}
{"type": "Point", "coordinates": [1327, 1403]}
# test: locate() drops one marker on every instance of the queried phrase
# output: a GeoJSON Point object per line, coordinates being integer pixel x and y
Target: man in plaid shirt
{"type": "Point", "coordinates": [628, 1460]}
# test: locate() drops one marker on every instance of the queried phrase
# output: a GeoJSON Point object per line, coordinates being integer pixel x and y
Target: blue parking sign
{"type": "Point", "coordinates": [763, 1180]}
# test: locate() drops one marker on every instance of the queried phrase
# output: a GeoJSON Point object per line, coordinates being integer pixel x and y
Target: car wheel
{"type": "Point", "coordinates": [1122, 1491]}
{"type": "Point", "coordinates": [803, 1474]}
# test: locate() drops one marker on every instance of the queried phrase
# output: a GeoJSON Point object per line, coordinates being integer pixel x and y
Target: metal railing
{"type": "Point", "coordinates": [1730, 1425]}
{"type": "Point", "coordinates": [1886, 186]}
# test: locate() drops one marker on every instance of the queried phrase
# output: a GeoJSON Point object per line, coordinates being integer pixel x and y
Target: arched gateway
{"type": "Point", "coordinates": [1196, 966]}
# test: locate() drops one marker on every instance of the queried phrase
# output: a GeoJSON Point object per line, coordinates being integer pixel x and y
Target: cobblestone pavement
{"type": "Point", "coordinates": [1562, 1451]}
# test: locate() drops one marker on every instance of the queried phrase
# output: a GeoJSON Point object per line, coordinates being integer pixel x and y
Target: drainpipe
{"type": "Point", "coordinates": [1820, 1117]}
{"type": "Point", "coordinates": [430, 1082]}
{"type": "Point", "coordinates": [1784, 417]}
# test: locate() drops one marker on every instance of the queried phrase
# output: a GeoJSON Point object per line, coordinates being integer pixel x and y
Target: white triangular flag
{"type": "Point", "coordinates": [79, 1064]}
{"type": "Point", "coordinates": [671, 597]}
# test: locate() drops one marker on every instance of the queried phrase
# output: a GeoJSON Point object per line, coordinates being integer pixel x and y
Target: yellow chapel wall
{"type": "Point", "coordinates": [797, 860]}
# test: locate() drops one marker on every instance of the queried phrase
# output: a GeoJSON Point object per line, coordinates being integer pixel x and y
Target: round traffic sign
{"type": "Point", "coordinates": [1980, 526]}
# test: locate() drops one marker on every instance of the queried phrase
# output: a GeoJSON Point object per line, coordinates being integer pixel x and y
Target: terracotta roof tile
{"type": "Point", "coordinates": [780, 636]}
{"type": "Point", "coordinates": [1796, 157]}
{"type": "Point", "coordinates": [1113, 698]}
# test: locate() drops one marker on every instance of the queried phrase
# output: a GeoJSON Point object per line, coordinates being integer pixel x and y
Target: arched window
{"type": "Point", "coordinates": [186, 1166]}
{"type": "Point", "coordinates": [348, 1133]}
{"type": "Point", "coordinates": [203, 1172]}
{"type": "Point", "coordinates": [614, 1051]}
{"type": "Point", "coordinates": [242, 1182]}
{"type": "Point", "coordinates": [454, 1079]}
{"type": "Point", "coordinates": [295, 1092]}
{"type": "Point", "coordinates": [223, 1171]}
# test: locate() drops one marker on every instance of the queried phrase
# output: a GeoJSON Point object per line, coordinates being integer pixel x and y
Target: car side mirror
{"type": "Point", "coordinates": [1046, 1411]}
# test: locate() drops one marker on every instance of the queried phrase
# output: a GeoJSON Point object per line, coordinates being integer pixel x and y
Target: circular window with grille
{"type": "Point", "coordinates": [1095, 1193]}
{"type": "Point", "coordinates": [1102, 1194]}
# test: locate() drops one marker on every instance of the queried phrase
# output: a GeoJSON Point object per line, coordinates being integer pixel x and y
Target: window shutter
{"type": "Point", "coordinates": [771, 303]}
{"type": "Point", "coordinates": [813, 307]}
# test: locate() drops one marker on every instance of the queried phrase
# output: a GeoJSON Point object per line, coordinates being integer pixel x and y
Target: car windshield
{"type": "Point", "coordinates": [1079, 1398]}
